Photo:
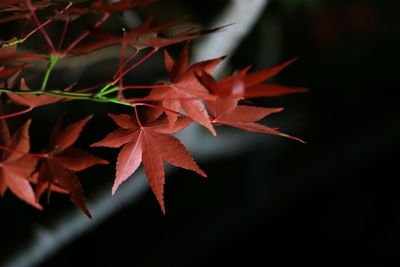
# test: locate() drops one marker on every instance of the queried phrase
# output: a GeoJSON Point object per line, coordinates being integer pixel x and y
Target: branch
{"type": "Point", "coordinates": [47, 241]}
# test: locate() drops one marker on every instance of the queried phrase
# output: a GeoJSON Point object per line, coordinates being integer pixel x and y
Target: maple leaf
{"type": "Point", "coordinates": [5, 54]}
{"type": "Point", "coordinates": [245, 117]}
{"type": "Point", "coordinates": [254, 88]}
{"type": "Point", "coordinates": [31, 100]}
{"type": "Point", "coordinates": [15, 167]}
{"type": "Point", "coordinates": [21, 56]}
{"type": "Point", "coordinates": [150, 143]}
{"type": "Point", "coordinates": [6, 72]}
{"type": "Point", "coordinates": [252, 83]}
{"type": "Point", "coordinates": [225, 108]}
{"type": "Point", "coordinates": [185, 91]}
{"type": "Point", "coordinates": [227, 95]}
{"type": "Point", "coordinates": [142, 36]}
{"type": "Point", "coordinates": [160, 42]}
{"type": "Point", "coordinates": [105, 39]}
{"type": "Point", "coordinates": [63, 161]}
{"type": "Point", "coordinates": [9, 53]}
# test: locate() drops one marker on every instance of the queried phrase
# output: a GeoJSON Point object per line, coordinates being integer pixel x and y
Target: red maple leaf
{"type": "Point", "coordinates": [142, 36]}
{"type": "Point", "coordinates": [31, 100]}
{"type": "Point", "coordinates": [6, 72]}
{"type": "Point", "coordinates": [9, 53]}
{"type": "Point", "coordinates": [225, 109]}
{"type": "Point", "coordinates": [63, 161]}
{"type": "Point", "coordinates": [150, 143]}
{"type": "Point", "coordinates": [185, 91]}
{"type": "Point", "coordinates": [15, 167]}
{"type": "Point", "coordinates": [254, 87]}
{"type": "Point", "coordinates": [252, 83]}
{"type": "Point", "coordinates": [245, 117]}
{"type": "Point", "coordinates": [22, 56]}
{"type": "Point", "coordinates": [6, 54]}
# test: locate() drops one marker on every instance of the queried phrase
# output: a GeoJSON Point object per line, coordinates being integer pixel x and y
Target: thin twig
{"type": "Point", "coordinates": [38, 24]}
{"type": "Point", "coordinates": [85, 34]}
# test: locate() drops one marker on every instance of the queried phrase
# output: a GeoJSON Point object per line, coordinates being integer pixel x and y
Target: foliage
{"type": "Point", "coordinates": [145, 131]}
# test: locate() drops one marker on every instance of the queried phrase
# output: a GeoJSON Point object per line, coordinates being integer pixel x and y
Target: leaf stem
{"type": "Point", "coordinates": [60, 43]}
{"type": "Point", "coordinates": [161, 108]}
{"type": "Point", "coordinates": [52, 62]}
{"type": "Point", "coordinates": [38, 27]}
{"type": "Point", "coordinates": [39, 92]}
{"type": "Point", "coordinates": [85, 34]}
{"type": "Point", "coordinates": [134, 65]}
{"type": "Point", "coordinates": [145, 86]}
{"type": "Point", "coordinates": [36, 155]}
{"type": "Point", "coordinates": [41, 29]}
{"type": "Point", "coordinates": [13, 42]}
{"type": "Point", "coordinates": [16, 113]}
{"type": "Point", "coordinates": [117, 101]}
{"type": "Point", "coordinates": [108, 91]}
{"type": "Point", "coordinates": [123, 64]}
{"type": "Point", "coordinates": [74, 95]}
{"type": "Point", "coordinates": [148, 99]}
{"type": "Point", "coordinates": [137, 117]}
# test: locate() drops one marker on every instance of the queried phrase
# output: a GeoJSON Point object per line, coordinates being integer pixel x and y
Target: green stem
{"type": "Point", "coordinates": [53, 61]}
{"type": "Point", "coordinates": [62, 94]}
{"type": "Point", "coordinates": [117, 101]}
{"type": "Point", "coordinates": [72, 95]}
{"type": "Point", "coordinates": [107, 91]}
{"type": "Point", "coordinates": [12, 43]}
{"type": "Point", "coordinates": [105, 88]}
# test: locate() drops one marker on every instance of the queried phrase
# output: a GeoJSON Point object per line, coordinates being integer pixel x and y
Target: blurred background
{"type": "Point", "coordinates": [268, 199]}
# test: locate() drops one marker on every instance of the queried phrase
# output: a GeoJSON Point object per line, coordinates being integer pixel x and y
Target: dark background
{"type": "Point", "coordinates": [330, 201]}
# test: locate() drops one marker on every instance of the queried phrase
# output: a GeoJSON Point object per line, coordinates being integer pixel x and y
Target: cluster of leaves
{"type": "Point", "coordinates": [145, 131]}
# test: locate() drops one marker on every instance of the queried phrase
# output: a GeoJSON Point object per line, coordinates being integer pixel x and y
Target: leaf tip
{"type": "Point", "coordinates": [290, 61]}
{"type": "Point", "coordinates": [203, 174]}
{"type": "Point", "coordinates": [292, 137]}
{"type": "Point", "coordinates": [163, 209]}
{"type": "Point", "coordinates": [89, 215]}
{"type": "Point", "coordinates": [38, 206]}
{"type": "Point", "coordinates": [88, 117]}
{"type": "Point", "coordinates": [86, 211]}
{"type": "Point", "coordinates": [103, 161]}
{"type": "Point", "coordinates": [114, 189]}
{"type": "Point", "coordinates": [94, 145]}
{"type": "Point", "coordinates": [211, 129]}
